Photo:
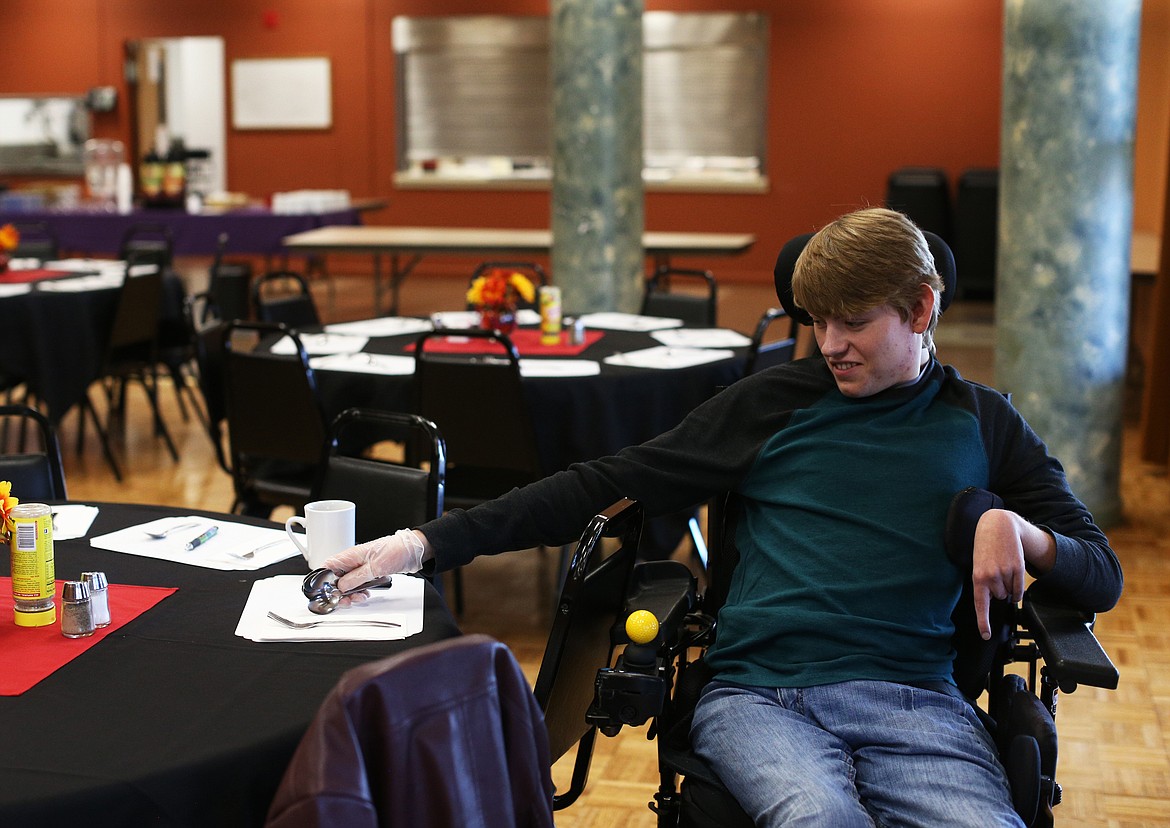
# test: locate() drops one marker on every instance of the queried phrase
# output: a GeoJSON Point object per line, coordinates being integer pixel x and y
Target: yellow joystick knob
{"type": "Point", "coordinates": [642, 626]}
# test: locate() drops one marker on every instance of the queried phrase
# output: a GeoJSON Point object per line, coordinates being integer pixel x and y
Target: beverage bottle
{"type": "Point", "coordinates": [33, 572]}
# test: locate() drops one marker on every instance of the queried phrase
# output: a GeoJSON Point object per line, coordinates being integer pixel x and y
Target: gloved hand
{"type": "Point", "coordinates": [400, 552]}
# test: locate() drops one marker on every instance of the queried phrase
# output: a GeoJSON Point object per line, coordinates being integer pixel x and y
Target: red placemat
{"type": "Point", "coordinates": [28, 654]}
{"type": "Point", "coordinates": [13, 277]}
{"type": "Point", "coordinates": [526, 340]}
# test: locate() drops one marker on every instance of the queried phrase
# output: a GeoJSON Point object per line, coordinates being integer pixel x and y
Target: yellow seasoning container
{"type": "Point", "coordinates": [33, 572]}
{"type": "Point", "coordinates": [550, 315]}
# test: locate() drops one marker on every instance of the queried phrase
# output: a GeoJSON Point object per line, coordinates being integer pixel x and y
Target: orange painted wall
{"type": "Point", "coordinates": [857, 88]}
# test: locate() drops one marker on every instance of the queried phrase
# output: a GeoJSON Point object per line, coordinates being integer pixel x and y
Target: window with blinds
{"type": "Point", "coordinates": [474, 99]}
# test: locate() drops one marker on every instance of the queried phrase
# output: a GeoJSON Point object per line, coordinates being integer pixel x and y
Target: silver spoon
{"type": "Point", "coordinates": [320, 587]}
{"type": "Point", "coordinates": [308, 625]}
{"type": "Point", "coordinates": [155, 533]}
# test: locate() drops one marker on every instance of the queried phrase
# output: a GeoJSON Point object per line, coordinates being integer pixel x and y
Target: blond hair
{"type": "Point", "coordinates": [863, 260]}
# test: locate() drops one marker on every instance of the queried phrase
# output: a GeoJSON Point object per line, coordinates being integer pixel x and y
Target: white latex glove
{"type": "Point", "coordinates": [400, 552]}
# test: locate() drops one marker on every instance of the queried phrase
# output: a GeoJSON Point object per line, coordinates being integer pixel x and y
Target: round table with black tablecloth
{"type": "Point", "coordinates": [173, 719]}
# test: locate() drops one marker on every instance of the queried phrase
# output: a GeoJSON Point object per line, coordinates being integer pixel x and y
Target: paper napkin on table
{"type": "Point", "coordinates": [662, 357]}
{"type": "Point", "coordinates": [559, 368]}
{"type": "Point", "coordinates": [402, 603]}
{"type": "Point", "coordinates": [382, 326]}
{"type": "Point", "coordinates": [701, 338]}
{"type": "Point", "coordinates": [72, 520]}
{"type": "Point", "coordinates": [322, 343]}
{"type": "Point", "coordinates": [227, 550]}
{"type": "Point", "coordinates": [14, 289]}
{"type": "Point", "coordinates": [363, 363]}
{"type": "Point", "coordinates": [78, 284]}
{"type": "Point", "coordinates": [470, 319]}
{"type": "Point", "coordinates": [614, 321]}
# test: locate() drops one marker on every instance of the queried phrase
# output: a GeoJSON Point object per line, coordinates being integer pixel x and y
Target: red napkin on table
{"type": "Point", "coordinates": [28, 654]}
{"type": "Point", "coordinates": [526, 340]}
{"type": "Point", "coordinates": [13, 277]}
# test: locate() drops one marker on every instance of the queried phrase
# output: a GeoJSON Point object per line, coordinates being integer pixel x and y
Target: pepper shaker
{"type": "Point", "coordinates": [99, 597]}
{"type": "Point", "coordinates": [76, 610]}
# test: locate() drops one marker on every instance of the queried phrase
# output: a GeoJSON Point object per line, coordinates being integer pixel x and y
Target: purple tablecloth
{"type": "Point", "coordinates": [253, 230]}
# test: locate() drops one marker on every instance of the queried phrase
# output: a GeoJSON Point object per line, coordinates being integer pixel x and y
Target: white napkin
{"type": "Point", "coordinates": [78, 284]}
{"type": "Point", "coordinates": [382, 326]}
{"type": "Point", "coordinates": [702, 338]}
{"type": "Point", "coordinates": [72, 520]}
{"type": "Point", "coordinates": [662, 357]}
{"type": "Point", "coordinates": [614, 321]}
{"type": "Point", "coordinates": [470, 319]}
{"type": "Point", "coordinates": [24, 264]}
{"type": "Point", "coordinates": [402, 603]}
{"type": "Point", "coordinates": [227, 550]}
{"type": "Point", "coordinates": [14, 289]}
{"type": "Point", "coordinates": [559, 368]}
{"type": "Point", "coordinates": [322, 343]}
{"type": "Point", "coordinates": [363, 363]}
{"type": "Point", "coordinates": [86, 265]}
{"type": "Point", "coordinates": [455, 319]}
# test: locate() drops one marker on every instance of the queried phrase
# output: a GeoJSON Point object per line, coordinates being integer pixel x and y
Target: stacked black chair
{"type": "Point", "coordinates": [148, 242]}
{"type": "Point", "coordinates": [37, 241]}
{"type": "Point", "coordinates": [678, 293]}
{"type": "Point", "coordinates": [230, 284]}
{"type": "Point", "coordinates": [131, 355]}
{"type": "Point", "coordinates": [284, 297]}
{"type": "Point", "coordinates": [37, 474]}
{"type": "Point", "coordinates": [479, 406]}
{"type": "Point", "coordinates": [394, 486]}
{"type": "Point", "coordinates": [924, 194]}
{"type": "Point", "coordinates": [274, 416]}
{"type": "Point", "coordinates": [976, 231]}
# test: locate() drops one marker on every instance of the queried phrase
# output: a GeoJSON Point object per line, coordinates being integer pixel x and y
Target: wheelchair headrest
{"type": "Point", "coordinates": [944, 263]}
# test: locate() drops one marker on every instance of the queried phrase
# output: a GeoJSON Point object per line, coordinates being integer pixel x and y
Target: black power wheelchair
{"type": "Point", "coordinates": [582, 690]}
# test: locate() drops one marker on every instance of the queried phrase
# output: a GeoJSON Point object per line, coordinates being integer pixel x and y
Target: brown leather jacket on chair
{"type": "Point", "coordinates": [443, 735]}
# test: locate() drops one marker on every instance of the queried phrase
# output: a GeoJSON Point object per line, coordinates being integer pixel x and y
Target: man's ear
{"type": "Point", "coordinates": [923, 309]}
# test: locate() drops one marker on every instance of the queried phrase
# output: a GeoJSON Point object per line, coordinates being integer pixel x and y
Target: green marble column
{"type": "Point", "coordinates": [597, 214]}
{"type": "Point", "coordinates": [1066, 211]}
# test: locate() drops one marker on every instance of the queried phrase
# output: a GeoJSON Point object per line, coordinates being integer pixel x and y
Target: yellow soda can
{"type": "Point", "coordinates": [33, 571]}
{"type": "Point", "coordinates": [550, 315]}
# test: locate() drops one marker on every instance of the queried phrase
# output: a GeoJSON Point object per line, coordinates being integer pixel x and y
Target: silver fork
{"type": "Point", "coordinates": [308, 625]}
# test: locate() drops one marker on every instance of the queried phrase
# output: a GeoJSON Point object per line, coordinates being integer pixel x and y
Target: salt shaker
{"type": "Point", "coordinates": [99, 597]}
{"type": "Point", "coordinates": [577, 337]}
{"type": "Point", "coordinates": [76, 610]}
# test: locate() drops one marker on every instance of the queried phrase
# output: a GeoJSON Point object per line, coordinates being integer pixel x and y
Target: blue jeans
{"type": "Point", "coordinates": [859, 753]}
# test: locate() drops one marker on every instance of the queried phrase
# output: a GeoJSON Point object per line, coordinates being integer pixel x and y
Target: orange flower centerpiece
{"type": "Point", "coordinates": [495, 294]}
{"type": "Point", "coordinates": [7, 504]}
{"type": "Point", "coordinates": [9, 239]}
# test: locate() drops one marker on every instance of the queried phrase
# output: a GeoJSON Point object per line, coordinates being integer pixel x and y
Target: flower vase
{"type": "Point", "coordinates": [502, 319]}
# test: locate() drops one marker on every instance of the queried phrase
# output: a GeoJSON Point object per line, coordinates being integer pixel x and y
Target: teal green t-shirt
{"type": "Point", "coordinates": [843, 573]}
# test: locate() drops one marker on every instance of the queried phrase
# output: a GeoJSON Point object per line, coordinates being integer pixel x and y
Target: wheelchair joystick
{"type": "Point", "coordinates": [633, 691]}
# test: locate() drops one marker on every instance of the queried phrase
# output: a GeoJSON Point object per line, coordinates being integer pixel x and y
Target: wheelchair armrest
{"type": "Point", "coordinates": [1069, 648]}
{"type": "Point", "coordinates": [665, 588]}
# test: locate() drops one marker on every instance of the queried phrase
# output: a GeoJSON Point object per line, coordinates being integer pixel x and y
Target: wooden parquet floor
{"type": "Point", "coordinates": [1115, 747]}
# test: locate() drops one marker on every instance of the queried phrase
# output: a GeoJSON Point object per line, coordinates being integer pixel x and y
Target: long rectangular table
{"type": "Point", "coordinates": [416, 242]}
{"type": "Point", "coordinates": [255, 230]}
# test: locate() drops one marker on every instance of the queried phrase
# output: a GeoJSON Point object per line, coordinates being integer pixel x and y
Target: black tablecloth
{"type": "Point", "coordinates": [575, 418]}
{"type": "Point", "coordinates": [173, 719]}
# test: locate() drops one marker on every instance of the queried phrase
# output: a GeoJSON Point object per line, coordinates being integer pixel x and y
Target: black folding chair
{"type": "Point", "coordinates": [275, 420]}
{"type": "Point", "coordinates": [677, 293]}
{"type": "Point", "coordinates": [284, 296]}
{"type": "Point", "coordinates": [36, 474]}
{"type": "Point", "coordinates": [766, 352]}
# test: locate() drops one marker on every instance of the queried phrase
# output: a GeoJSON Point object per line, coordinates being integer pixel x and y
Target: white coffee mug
{"type": "Point", "coordinates": [328, 526]}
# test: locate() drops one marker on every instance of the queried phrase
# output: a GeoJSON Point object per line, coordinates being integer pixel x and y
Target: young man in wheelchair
{"type": "Point", "coordinates": [833, 701]}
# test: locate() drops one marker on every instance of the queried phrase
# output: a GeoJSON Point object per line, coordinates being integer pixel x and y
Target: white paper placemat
{"type": "Point", "coordinates": [72, 520]}
{"type": "Point", "coordinates": [15, 289]}
{"type": "Point", "coordinates": [363, 363]}
{"type": "Point", "coordinates": [661, 357]}
{"type": "Point", "coordinates": [701, 338]}
{"type": "Point", "coordinates": [559, 368]}
{"type": "Point", "coordinates": [470, 319]}
{"type": "Point", "coordinates": [227, 550]}
{"type": "Point", "coordinates": [614, 321]}
{"type": "Point", "coordinates": [322, 343]}
{"type": "Point", "coordinates": [77, 284]}
{"type": "Point", "coordinates": [382, 326]}
{"type": "Point", "coordinates": [402, 604]}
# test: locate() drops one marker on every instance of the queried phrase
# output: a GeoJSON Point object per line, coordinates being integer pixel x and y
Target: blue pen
{"type": "Point", "coordinates": [202, 539]}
